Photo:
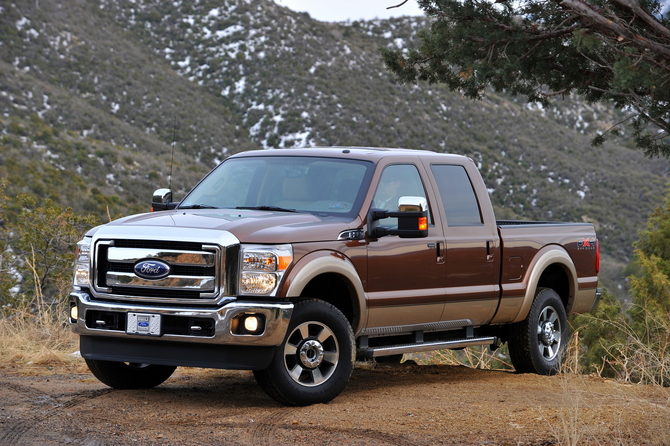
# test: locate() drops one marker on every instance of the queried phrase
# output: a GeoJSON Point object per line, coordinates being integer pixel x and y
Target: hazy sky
{"type": "Point", "coordinates": [340, 10]}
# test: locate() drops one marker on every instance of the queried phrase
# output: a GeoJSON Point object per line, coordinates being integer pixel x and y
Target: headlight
{"type": "Point", "coordinates": [82, 263]}
{"type": "Point", "coordinates": [263, 267]}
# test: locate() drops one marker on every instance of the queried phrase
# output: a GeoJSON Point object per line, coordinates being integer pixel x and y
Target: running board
{"type": "Point", "coordinates": [374, 352]}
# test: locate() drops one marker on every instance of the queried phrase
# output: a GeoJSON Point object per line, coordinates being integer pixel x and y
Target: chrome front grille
{"type": "Point", "coordinates": [195, 271]}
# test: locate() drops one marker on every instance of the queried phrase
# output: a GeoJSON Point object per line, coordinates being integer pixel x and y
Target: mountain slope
{"type": "Point", "coordinates": [107, 80]}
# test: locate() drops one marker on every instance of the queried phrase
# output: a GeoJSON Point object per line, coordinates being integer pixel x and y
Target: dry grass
{"type": "Point", "coordinates": [641, 413]}
{"type": "Point", "coordinates": [628, 415]}
{"type": "Point", "coordinates": [32, 339]}
{"type": "Point", "coordinates": [473, 357]}
{"type": "Point", "coordinates": [36, 334]}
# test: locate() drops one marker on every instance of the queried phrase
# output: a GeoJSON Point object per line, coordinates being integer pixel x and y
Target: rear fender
{"type": "Point", "coordinates": [546, 257]}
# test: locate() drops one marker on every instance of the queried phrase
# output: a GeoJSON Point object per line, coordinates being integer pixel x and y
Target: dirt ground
{"type": "Point", "coordinates": [403, 404]}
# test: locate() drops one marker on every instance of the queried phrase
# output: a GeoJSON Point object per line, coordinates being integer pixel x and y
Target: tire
{"type": "Point", "coordinates": [316, 359]}
{"type": "Point", "coordinates": [537, 345]}
{"type": "Point", "coordinates": [122, 375]}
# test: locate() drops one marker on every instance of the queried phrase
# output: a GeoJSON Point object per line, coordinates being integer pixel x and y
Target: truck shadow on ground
{"type": "Point", "coordinates": [218, 388]}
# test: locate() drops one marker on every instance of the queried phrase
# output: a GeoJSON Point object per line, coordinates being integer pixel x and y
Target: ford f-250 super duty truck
{"type": "Point", "coordinates": [294, 262]}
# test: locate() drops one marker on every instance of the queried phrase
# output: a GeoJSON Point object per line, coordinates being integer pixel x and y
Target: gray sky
{"type": "Point", "coordinates": [341, 10]}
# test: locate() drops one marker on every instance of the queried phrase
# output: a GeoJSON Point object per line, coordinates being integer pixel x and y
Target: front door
{"type": "Point", "coordinates": [405, 275]}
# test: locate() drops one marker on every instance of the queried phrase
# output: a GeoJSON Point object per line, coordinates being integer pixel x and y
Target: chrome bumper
{"type": "Point", "coordinates": [276, 315]}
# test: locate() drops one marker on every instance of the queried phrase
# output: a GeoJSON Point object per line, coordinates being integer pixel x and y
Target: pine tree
{"type": "Point", "coordinates": [613, 51]}
{"type": "Point", "coordinates": [649, 333]}
{"type": "Point", "coordinates": [598, 332]}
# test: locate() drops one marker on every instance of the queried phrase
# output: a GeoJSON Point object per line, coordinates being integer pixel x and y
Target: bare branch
{"type": "Point", "coordinates": [398, 6]}
{"type": "Point", "coordinates": [615, 30]}
{"type": "Point", "coordinates": [645, 17]}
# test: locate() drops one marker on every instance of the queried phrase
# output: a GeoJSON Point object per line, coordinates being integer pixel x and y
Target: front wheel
{"type": "Point", "coordinates": [129, 375]}
{"type": "Point", "coordinates": [537, 345]}
{"type": "Point", "coordinates": [315, 361]}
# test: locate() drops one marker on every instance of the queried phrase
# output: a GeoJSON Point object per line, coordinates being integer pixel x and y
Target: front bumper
{"type": "Point", "coordinates": [182, 324]}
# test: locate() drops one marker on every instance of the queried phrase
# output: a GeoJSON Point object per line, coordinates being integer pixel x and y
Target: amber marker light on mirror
{"type": "Point", "coordinates": [423, 223]}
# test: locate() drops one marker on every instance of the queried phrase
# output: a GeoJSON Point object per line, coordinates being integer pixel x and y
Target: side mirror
{"type": "Point", "coordinates": [162, 200]}
{"type": "Point", "coordinates": [412, 218]}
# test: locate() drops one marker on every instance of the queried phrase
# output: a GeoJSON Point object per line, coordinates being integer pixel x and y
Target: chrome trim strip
{"type": "Point", "coordinates": [182, 258]}
{"type": "Point", "coordinates": [183, 283]}
{"type": "Point", "coordinates": [95, 246]}
{"type": "Point", "coordinates": [277, 317]}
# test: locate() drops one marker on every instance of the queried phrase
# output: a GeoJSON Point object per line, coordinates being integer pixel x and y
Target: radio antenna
{"type": "Point", "coordinates": [174, 140]}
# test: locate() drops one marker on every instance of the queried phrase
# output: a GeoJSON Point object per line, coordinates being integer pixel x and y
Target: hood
{"type": "Point", "coordinates": [247, 225]}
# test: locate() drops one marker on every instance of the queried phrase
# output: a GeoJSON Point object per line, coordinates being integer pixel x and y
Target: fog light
{"type": "Point", "coordinates": [251, 323]}
{"type": "Point", "coordinates": [74, 313]}
{"type": "Point", "coordinates": [248, 324]}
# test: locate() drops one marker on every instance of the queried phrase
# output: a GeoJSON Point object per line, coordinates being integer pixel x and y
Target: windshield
{"type": "Point", "coordinates": [325, 186]}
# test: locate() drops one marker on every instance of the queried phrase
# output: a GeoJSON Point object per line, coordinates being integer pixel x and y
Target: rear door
{"type": "Point", "coordinates": [472, 265]}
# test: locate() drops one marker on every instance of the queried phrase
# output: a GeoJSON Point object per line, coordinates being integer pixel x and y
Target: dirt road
{"type": "Point", "coordinates": [383, 405]}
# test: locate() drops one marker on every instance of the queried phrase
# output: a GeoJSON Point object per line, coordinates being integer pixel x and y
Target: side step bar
{"type": "Point", "coordinates": [374, 352]}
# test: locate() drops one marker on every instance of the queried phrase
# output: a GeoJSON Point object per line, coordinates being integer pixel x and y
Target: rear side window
{"type": "Point", "coordinates": [458, 197]}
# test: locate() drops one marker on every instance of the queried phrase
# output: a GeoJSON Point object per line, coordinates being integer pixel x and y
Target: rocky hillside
{"type": "Point", "coordinates": [94, 93]}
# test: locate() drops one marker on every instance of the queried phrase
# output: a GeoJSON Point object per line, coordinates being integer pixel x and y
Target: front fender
{"type": "Point", "coordinates": [327, 262]}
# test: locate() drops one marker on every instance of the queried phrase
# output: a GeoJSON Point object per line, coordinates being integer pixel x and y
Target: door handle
{"type": "Point", "coordinates": [440, 252]}
{"type": "Point", "coordinates": [489, 251]}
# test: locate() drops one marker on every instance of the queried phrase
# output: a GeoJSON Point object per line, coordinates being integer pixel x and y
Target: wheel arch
{"type": "Point", "coordinates": [331, 277]}
{"type": "Point", "coordinates": [552, 268]}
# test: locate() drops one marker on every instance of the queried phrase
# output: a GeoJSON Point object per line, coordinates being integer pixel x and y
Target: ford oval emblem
{"type": "Point", "coordinates": [151, 269]}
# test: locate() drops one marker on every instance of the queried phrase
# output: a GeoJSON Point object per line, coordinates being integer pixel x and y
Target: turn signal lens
{"type": "Point", "coordinates": [264, 261]}
{"type": "Point", "coordinates": [423, 223]}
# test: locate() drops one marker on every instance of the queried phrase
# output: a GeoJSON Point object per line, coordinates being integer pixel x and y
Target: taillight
{"type": "Point", "coordinates": [597, 256]}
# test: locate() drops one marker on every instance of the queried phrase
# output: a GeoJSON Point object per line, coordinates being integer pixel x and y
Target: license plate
{"type": "Point", "coordinates": [144, 324]}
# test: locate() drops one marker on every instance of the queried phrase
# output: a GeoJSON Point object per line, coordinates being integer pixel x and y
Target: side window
{"type": "Point", "coordinates": [400, 180]}
{"type": "Point", "coordinates": [458, 197]}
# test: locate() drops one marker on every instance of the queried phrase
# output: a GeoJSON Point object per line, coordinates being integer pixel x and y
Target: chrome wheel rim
{"type": "Point", "coordinates": [549, 333]}
{"type": "Point", "coordinates": [311, 354]}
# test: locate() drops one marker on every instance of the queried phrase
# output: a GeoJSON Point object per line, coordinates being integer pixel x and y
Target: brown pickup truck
{"type": "Point", "coordinates": [294, 262]}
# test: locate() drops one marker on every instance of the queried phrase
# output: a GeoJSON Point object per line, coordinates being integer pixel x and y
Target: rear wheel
{"type": "Point", "coordinates": [537, 345]}
{"type": "Point", "coordinates": [129, 375]}
{"type": "Point", "coordinates": [315, 361]}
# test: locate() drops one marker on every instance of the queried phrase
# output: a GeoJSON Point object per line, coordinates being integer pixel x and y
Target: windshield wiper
{"type": "Point", "coordinates": [266, 208]}
{"type": "Point", "coordinates": [197, 206]}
